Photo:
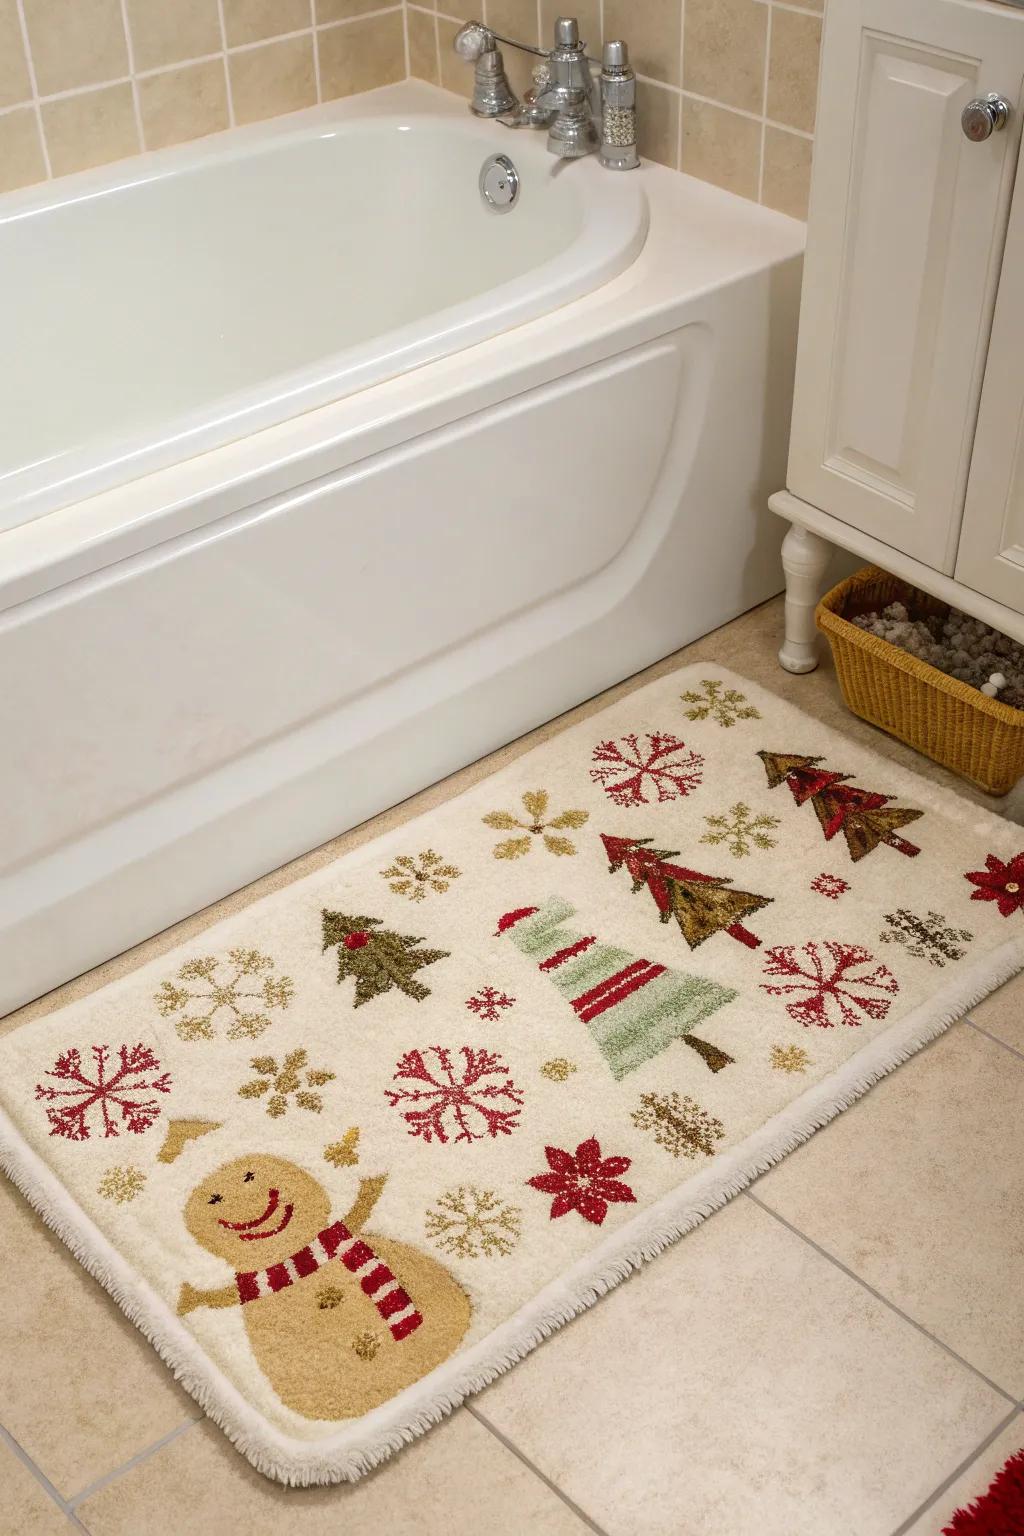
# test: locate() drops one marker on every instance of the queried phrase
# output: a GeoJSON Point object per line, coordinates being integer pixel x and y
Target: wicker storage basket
{"type": "Point", "coordinates": [950, 722]}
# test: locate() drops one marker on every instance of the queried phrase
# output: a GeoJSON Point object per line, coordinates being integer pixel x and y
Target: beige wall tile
{"type": "Point", "coordinates": [658, 123]}
{"type": "Point", "coordinates": [15, 85]}
{"type": "Point", "coordinates": [362, 56]}
{"type": "Point", "coordinates": [184, 103]}
{"type": "Point", "coordinates": [423, 5]}
{"type": "Point", "coordinates": [724, 51]}
{"type": "Point", "coordinates": [972, 1483]}
{"type": "Point", "coordinates": [458, 1481]}
{"type": "Point", "coordinates": [250, 21]}
{"type": "Point", "coordinates": [75, 42]}
{"type": "Point", "coordinates": [742, 1385]}
{"type": "Point", "coordinates": [342, 10]}
{"type": "Point", "coordinates": [721, 146]}
{"type": "Point", "coordinates": [165, 34]}
{"type": "Point", "coordinates": [793, 69]}
{"type": "Point", "coordinates": [91, 129]}
{"type": "Point", "coordinates": [26, 1504]}
{"type": "Point", "coordinates": [278, 77]}
{"type": "Point", "coordinates": [653, 30]}
{"type": "Point", "coordinates": [21, 149]}
{"type": "Point", "coordinates": [1002, 1014]}
{"type": "Point", "coordinates": [513, 18]}
{"type": "Point", "coordinates": [456, 74]}
{"type": "Point", "coordinates": [81, 1389]}
{"type": "Point", "coordinates": [787, 172]}
{"type": "Point", "coordinates": [919, 1188]}
{"type": "Point", "coordinates": [423, 47]}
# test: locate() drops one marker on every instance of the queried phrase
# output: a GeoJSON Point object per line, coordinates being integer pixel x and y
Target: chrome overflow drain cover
{"type": "Point", "coordinates": [499, 183]}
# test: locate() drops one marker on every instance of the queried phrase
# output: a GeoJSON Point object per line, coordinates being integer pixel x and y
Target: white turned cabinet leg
{"type": "Point", "coordinates": [804, 558]}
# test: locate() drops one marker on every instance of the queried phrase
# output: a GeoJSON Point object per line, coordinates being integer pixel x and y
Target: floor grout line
{"type": "Point", "coordinates": [1004, 1043]}
{"type": "Point", "coordinates": [16, 1449]}
{"type": "Point", "coordinates": [878, 1295]}
{"type": "Point", "coordinates": [521, 1456]}
{"type": "Point", "coordinates": [132, 1462]}
{"type": "Point", "coordinates": [911, 1521]}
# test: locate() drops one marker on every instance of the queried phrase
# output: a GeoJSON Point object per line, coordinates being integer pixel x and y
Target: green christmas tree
{"type": "Point", "coordinates": [378, 960]}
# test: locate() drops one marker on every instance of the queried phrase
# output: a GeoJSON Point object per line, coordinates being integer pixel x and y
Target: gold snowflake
{"type": "Point", "coordinates": [790, 1058]}
{"type": "Point", "coordinates": [680, 1125]}
{"type": "Point", "coordinates": [366, 1344]}
{"type": "Point", "coordinates": [414, 877]}
{"type": "Point", "coordinates": [535, 804]}
{"type": "Point", "coordinates": [285, 1082]}
{"type": "Point", "coordinates": [473, 1223]}
{"type": "Point", "coordinates": [559, 1069]}
{"type": "Point", "coordinates": [122, 1184]}
{"type": "Point", "coordinates": [328, 1297]}
{"type": "Point", "coordinates": [344, 1153]}
{"type": "Point", "coordinates": [212, 984]}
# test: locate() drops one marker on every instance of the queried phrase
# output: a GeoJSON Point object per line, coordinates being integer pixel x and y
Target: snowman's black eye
{"type": "Point", "coordinates": [248, 1177]}
{"type": "Point", "coordinates": [214, 1198]}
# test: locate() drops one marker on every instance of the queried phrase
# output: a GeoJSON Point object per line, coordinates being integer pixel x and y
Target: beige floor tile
{"type": "Point", "coordinates": [919, 1188]}
{"type": "Point", "coordinates": [26, 1508]}
{"type": "Point", "coordinates": [973, 1483]}
{"type": "Point", "coordinates": [458, 1481]}
{"type": "Point", "coordinates": [80, 1389]}
{"type": "Point", "coordinates": [1002, 1014]}
{"type": "Point", "coordinates": [742, 1385]}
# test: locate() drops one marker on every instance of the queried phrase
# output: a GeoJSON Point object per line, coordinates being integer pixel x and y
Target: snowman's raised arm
{"type": "Point", "coordinates": [370, 1191]}
{"type": "Point", "coordinates": [189, 1298]}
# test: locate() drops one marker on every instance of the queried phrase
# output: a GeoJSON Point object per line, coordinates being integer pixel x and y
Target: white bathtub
{"type": "Point", "coordinates": [321, 479]}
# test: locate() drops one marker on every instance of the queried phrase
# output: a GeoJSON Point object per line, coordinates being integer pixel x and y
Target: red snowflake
{"type": "Point", "coordinates": [114, 1095]}
{"type": "Point", "coordinates": [1001, 883]}
{"type": "Point", "coordinates": [587, 1183]}
{"type": "Point", "coordinates": [832, 886]}
{"type": "Point", "coordinates": [833, 988]}
{"type": "Point", "coordinates": [627, 772]}
{"type": "Point", "coordinates": [489, 1002]}
{"type": "Point", "coordinates": [473, 1095]}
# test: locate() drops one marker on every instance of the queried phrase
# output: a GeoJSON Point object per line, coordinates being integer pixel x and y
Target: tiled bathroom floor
{"type": "Point", "coordinates": [839, 1352]}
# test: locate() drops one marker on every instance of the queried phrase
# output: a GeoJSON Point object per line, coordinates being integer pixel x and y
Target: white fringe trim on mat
{"type": "Point", "coordinates": [356, 1449]}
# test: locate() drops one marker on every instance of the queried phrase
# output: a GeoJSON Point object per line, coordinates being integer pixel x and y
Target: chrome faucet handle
{"type": "Point", "coordinates": [492, 94]}
{"type": "Point", "coordinates": [472, 40]}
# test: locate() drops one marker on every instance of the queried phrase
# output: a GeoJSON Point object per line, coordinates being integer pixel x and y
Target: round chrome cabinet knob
{"type": "Point", "coordinates": [983, 117]}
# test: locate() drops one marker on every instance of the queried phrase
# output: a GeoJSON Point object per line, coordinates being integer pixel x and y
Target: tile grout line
{"type": "Point", "coordinates": [908, 1524]}
{"type": "Point", "coordinates": [17, 1450]}
{"type": "Point", "coordinates": [521, 1456]}
{"type": "Point", "coordinates": [995, 1038]}
{"type": "Point", "coordinates": [34, 87]}
{"type": "Point", "coordinates": [764, 103]}
{"type": "Point", "coordinates": [316, 49]}
{"type": "Point", "coordinates": [130, 51]}
{"type": "Point", "coordinates": [147, 1451]}
{"type": "Point", "coordinates": [852, 1274]}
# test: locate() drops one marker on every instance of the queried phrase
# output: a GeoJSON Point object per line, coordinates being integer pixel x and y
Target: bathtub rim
{"type": "Point", "coordinates": [615, 219]}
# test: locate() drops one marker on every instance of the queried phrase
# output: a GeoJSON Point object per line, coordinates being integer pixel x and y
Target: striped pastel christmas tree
{"type": "Point", "coordinates": [633, 1007]}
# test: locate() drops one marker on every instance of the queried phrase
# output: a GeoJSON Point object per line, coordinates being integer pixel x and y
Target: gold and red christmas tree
{"type": "Point", "coordinates": [864, 816]}
{"type": "Point", "coordinates": [701, 904]}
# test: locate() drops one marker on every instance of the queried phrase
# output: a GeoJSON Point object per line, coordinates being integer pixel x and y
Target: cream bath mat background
{"type": "Point", "coordinates": [351, 1153]}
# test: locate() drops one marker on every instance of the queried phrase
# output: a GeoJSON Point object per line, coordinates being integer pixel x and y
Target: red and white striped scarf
{"type": "Point", "coordinates": [393, 1303]}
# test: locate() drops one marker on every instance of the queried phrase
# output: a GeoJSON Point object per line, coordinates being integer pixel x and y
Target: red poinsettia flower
{"type": "Point", "coordinates": [1001, 883]}
{"type": "Point", "coordinates": [587, 1183]}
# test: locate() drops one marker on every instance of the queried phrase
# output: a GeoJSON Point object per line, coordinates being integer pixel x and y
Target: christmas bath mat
{"type": "Point", "coordinates": [351, 1153]}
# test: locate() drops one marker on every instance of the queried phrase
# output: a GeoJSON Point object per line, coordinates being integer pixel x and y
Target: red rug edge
{"type": "Point", "coordinates": [1000, 1511]}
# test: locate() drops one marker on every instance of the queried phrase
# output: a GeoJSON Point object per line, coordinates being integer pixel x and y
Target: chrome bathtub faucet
{"type": "Point", "coordinates": [582, 115]}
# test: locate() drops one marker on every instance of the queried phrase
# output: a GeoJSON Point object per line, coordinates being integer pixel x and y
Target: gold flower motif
{"type": "Point", "coordinates": [535, 804]}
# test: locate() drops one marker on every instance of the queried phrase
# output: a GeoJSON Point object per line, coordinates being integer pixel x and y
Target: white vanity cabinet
{"type": "Point", "coordinates": [913, 312]}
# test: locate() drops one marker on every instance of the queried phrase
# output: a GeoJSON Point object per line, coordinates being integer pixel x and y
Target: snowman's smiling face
{"type": "Point", "coordinates": [257, 1211]}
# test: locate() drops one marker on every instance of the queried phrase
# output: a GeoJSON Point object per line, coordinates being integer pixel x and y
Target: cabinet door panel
{"type": "Point", "coordinates": [991, 555]}
{"type": "Point", "coordinates": [906, 232]}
